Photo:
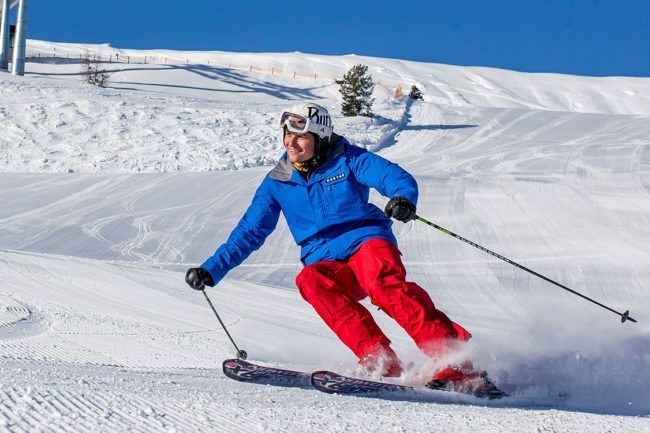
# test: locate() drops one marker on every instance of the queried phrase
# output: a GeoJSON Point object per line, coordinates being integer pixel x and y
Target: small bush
{"type": "Point", "coordinates": [93, 71]}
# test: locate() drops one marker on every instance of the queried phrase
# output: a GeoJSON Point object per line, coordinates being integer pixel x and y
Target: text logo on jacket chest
{"type": "Point", "coordinates": [334, 178]}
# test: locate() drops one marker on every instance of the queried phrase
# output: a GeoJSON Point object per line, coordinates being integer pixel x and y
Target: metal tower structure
{"type": "Point", "coordinates": [18, 63]}
{"type": "Point", "coordinates": [5, 8]}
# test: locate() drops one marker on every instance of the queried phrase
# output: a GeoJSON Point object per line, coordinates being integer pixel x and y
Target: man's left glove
{"type": "Point", "coordinates": [400, 208]}
{"type": "Point", "coordinates": [198, 278]}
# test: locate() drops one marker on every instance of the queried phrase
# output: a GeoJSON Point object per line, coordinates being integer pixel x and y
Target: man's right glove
{"type": "Point", "coordinates": [400, 208]}
{"type": "Point", "coordinates": [198, 278]}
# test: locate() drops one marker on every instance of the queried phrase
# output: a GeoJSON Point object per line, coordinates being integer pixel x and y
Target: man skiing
{"type": "Point", "coordinates": [349, 252]}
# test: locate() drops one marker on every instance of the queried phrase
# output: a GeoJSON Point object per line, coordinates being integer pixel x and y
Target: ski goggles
{"type": "Point", "coordinates": [294, 122]}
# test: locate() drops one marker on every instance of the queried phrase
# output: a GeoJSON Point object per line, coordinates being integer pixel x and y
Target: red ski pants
{"type": "Point", "coordinates": [334, 289]}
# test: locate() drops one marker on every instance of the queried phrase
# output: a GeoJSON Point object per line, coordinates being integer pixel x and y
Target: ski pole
{"type": "Point", "coordinates": [241, 354]}
{"type": "Point", "coordinates": [624, 316]}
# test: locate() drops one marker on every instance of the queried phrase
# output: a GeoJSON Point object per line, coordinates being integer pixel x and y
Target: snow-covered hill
{"type": "Point", "coordinates": [108, 195]}
{"type": "Point", "coordinates": [226, 118]}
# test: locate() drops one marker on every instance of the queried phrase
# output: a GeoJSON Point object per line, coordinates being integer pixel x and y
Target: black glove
{"type": "Point", "coordinates": [198, 278]}
{"type": "Point", "coordinates": [400, 208]}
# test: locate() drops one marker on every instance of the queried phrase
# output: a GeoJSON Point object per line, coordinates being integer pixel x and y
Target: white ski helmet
{"type": "Point", "coordinates": [308, 117]}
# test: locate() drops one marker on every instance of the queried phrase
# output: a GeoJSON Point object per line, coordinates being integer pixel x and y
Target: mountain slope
{"type": "Point", "coordinates": [99, 332]}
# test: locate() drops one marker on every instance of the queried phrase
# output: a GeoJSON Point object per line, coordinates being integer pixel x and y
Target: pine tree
{"type": "Point", "coordinates": [415, 93]}
{"type": "Point", "coordinates": [93, 72]}
{"type": "Point", "coordinates": [356, 90]}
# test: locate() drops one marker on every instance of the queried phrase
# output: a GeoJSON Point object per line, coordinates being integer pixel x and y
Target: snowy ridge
{"type": "Point", "coordinates": [110, 194]}
{"type": "Point", "coordinates": [226, 123]}
{"type": "Point", "coordinates": [451, 85]}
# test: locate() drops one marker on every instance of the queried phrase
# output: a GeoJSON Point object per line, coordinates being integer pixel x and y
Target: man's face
{"type": "Point", "coordinates": [300, 147]}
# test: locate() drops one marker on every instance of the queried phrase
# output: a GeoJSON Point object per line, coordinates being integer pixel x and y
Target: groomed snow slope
{"type": "Point", "coordinates": [110, 194]}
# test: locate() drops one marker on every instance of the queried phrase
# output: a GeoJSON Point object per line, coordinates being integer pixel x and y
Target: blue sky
{"type": "Point", "coordinates": [585, 37]}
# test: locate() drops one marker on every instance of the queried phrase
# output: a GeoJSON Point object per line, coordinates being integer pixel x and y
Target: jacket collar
{"type": "Point", "coordinates": [284, 170]}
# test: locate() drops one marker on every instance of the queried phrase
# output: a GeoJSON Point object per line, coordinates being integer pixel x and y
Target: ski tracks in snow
{"type": "Point", "coordinates": [142, 221]}
{"type": "Point", "coordinates": [110, 399]}
{"type": "Point", "coordinates": [11, 311]}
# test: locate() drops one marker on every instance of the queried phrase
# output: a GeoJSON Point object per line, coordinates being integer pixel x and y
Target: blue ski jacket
{"type": "Point", "coordinates": [329, 215]}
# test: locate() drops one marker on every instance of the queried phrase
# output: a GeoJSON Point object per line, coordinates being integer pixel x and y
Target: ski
{"type": "Point", "coordinates": [486, 389]}
{"type": "Point", "coordinates": [245, 371]}
{"type": "Point", "coordinates": [334, 383]}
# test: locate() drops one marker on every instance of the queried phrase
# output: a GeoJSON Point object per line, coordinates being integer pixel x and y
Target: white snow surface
{"type": "Point", "coordinates": [109, 195]}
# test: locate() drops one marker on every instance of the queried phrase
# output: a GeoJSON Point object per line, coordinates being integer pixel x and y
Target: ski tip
{"type": "Point", "coordinates": [492, 394]}
{"type": "Point", "coordinates": [488, 390]}
{"type": "Point", "coordinates": [229, 363]}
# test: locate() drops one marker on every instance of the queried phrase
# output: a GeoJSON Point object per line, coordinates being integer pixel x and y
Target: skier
{"type": "Point", "coordinates": [348, 250]}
